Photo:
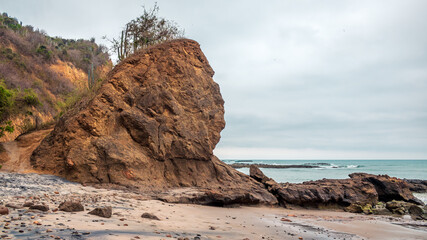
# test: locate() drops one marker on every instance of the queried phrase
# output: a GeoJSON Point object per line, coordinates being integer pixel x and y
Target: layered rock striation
{"type": "Point", "coordinates": [153, 124]}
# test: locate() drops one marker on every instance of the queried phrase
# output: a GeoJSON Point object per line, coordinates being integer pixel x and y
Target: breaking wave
{"type": "Point", "coordinates": [331, 165]}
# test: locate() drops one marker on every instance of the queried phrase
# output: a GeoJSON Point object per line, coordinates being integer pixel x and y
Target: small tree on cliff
{"type": "Point", "coordinates": [147, 29]}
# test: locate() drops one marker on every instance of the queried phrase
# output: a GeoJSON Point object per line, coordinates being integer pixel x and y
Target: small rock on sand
{"type": "Point", "coordinates": [70, 206]}
{"type": "Point", "coordinates": [150, 216]}
{"type": "Point", "coordinates": [4, 210]}
{"type": "Point", "coordinates": [11, 205]}
{"type": "Point", "coordinates": [104, 212]}
{"type": "Point", "coordinates": [28, 204]}
{"type": "Point", "coordinates": [42, 208]}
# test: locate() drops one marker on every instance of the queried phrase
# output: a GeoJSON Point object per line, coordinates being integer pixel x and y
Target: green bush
{"type": "Point", "coordinates": [31, 98]}
{"type": "Point", "coordinates": [6, 128]}
{"type": "Point", "coordinates": [12, 56]}
{"type": "Point", "coordinates": [8, 53]}
{"type": "Point", "coordinates": [46, 53]}
{"type": "Point", "coordinates": [6, 99]}
{"type": "Point", "coordinates": [9, 22]}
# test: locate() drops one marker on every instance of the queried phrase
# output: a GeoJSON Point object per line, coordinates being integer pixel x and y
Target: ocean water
{"type": "Point", "coordinates": [336, 169]}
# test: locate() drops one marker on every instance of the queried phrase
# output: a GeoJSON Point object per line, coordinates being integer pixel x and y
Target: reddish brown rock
{"type": "Point", "coordinates": [153, 124]}
{"type": "Point", "coordinates": [28, 204]}
{"type": "Point", "coordinates": [71, 206]}
{"type": "Point", "coordinates": [4, 210]}
{"type": "Point", "coordinates": [328, 193]}
{"type": "Point", "coordinates": [258, 175]}
{"type": "Point", "coordinates": [388, 188]}
{"type": "Point", "coordinates": [417, 185]}
{"type": "Point", "coordinates": [150, 216]}
{"type": "Point", "coordinates": [104, 212]}
{"type": "Point", "coordinates": [43, 208]}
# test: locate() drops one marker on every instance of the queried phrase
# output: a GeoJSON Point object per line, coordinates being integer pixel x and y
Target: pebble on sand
{"type": "Point", "coordinates": [42, 208]}
{"type": "Point", "coordinates": [4, 210]}
{"type": "Point", "coordinates": [150, 216]}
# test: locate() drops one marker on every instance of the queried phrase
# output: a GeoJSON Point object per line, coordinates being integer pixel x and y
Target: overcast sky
{"type": "Point", "coordinates": [301, 79]}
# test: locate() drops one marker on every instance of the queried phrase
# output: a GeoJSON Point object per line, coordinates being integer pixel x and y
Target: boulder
{"type": "Point", "coordinates": [104, 212]}
{"type": "Point", "coordinates": [380, 209]}
{"type": "Point", "coordinates": [388, 188]}
{"type": "Point", "coordinates": [417, 212]}
{"type": "Point", "coordinates": [71, 206]}
{"type": "Point", "coordinates": [152, 125]}
{"type": "Point", "coordinates": [417, 185]}
{"type": "Point", "coordinates": [361, 208]}
{"type": "Point", "coordinates": [398, 207]}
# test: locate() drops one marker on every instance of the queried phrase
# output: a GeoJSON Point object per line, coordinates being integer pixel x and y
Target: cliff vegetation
{"type": "Point", "coordinates": [43, 76]}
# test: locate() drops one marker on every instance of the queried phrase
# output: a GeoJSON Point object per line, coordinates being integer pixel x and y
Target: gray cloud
{"type": "Point", "coordinates": [332, 76]}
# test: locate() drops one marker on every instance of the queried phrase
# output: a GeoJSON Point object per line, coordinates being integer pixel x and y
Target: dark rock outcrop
{"type": "Point", "coordinates": [153, 125]}
{"type": "Point", "coordinates": [318, 194]}
{"type": "Point", "coordinates": [417, 185]}
{"type": "Point", "coordinates": [329, 193]}
{"type": "Point", "coordinates": [388, 188]}
{"type": "Point", "coordinates": [359, 193]}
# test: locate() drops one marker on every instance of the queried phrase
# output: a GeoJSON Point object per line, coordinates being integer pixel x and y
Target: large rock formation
{"type": "Point", "coordinates": [153, 124]}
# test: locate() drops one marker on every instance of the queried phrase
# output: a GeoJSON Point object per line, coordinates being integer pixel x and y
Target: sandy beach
{"type": "Point", "coordinates": [177, 221]}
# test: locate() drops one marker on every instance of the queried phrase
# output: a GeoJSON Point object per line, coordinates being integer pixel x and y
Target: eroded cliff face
{"type": "Point", "coordinates": [153, 124]}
